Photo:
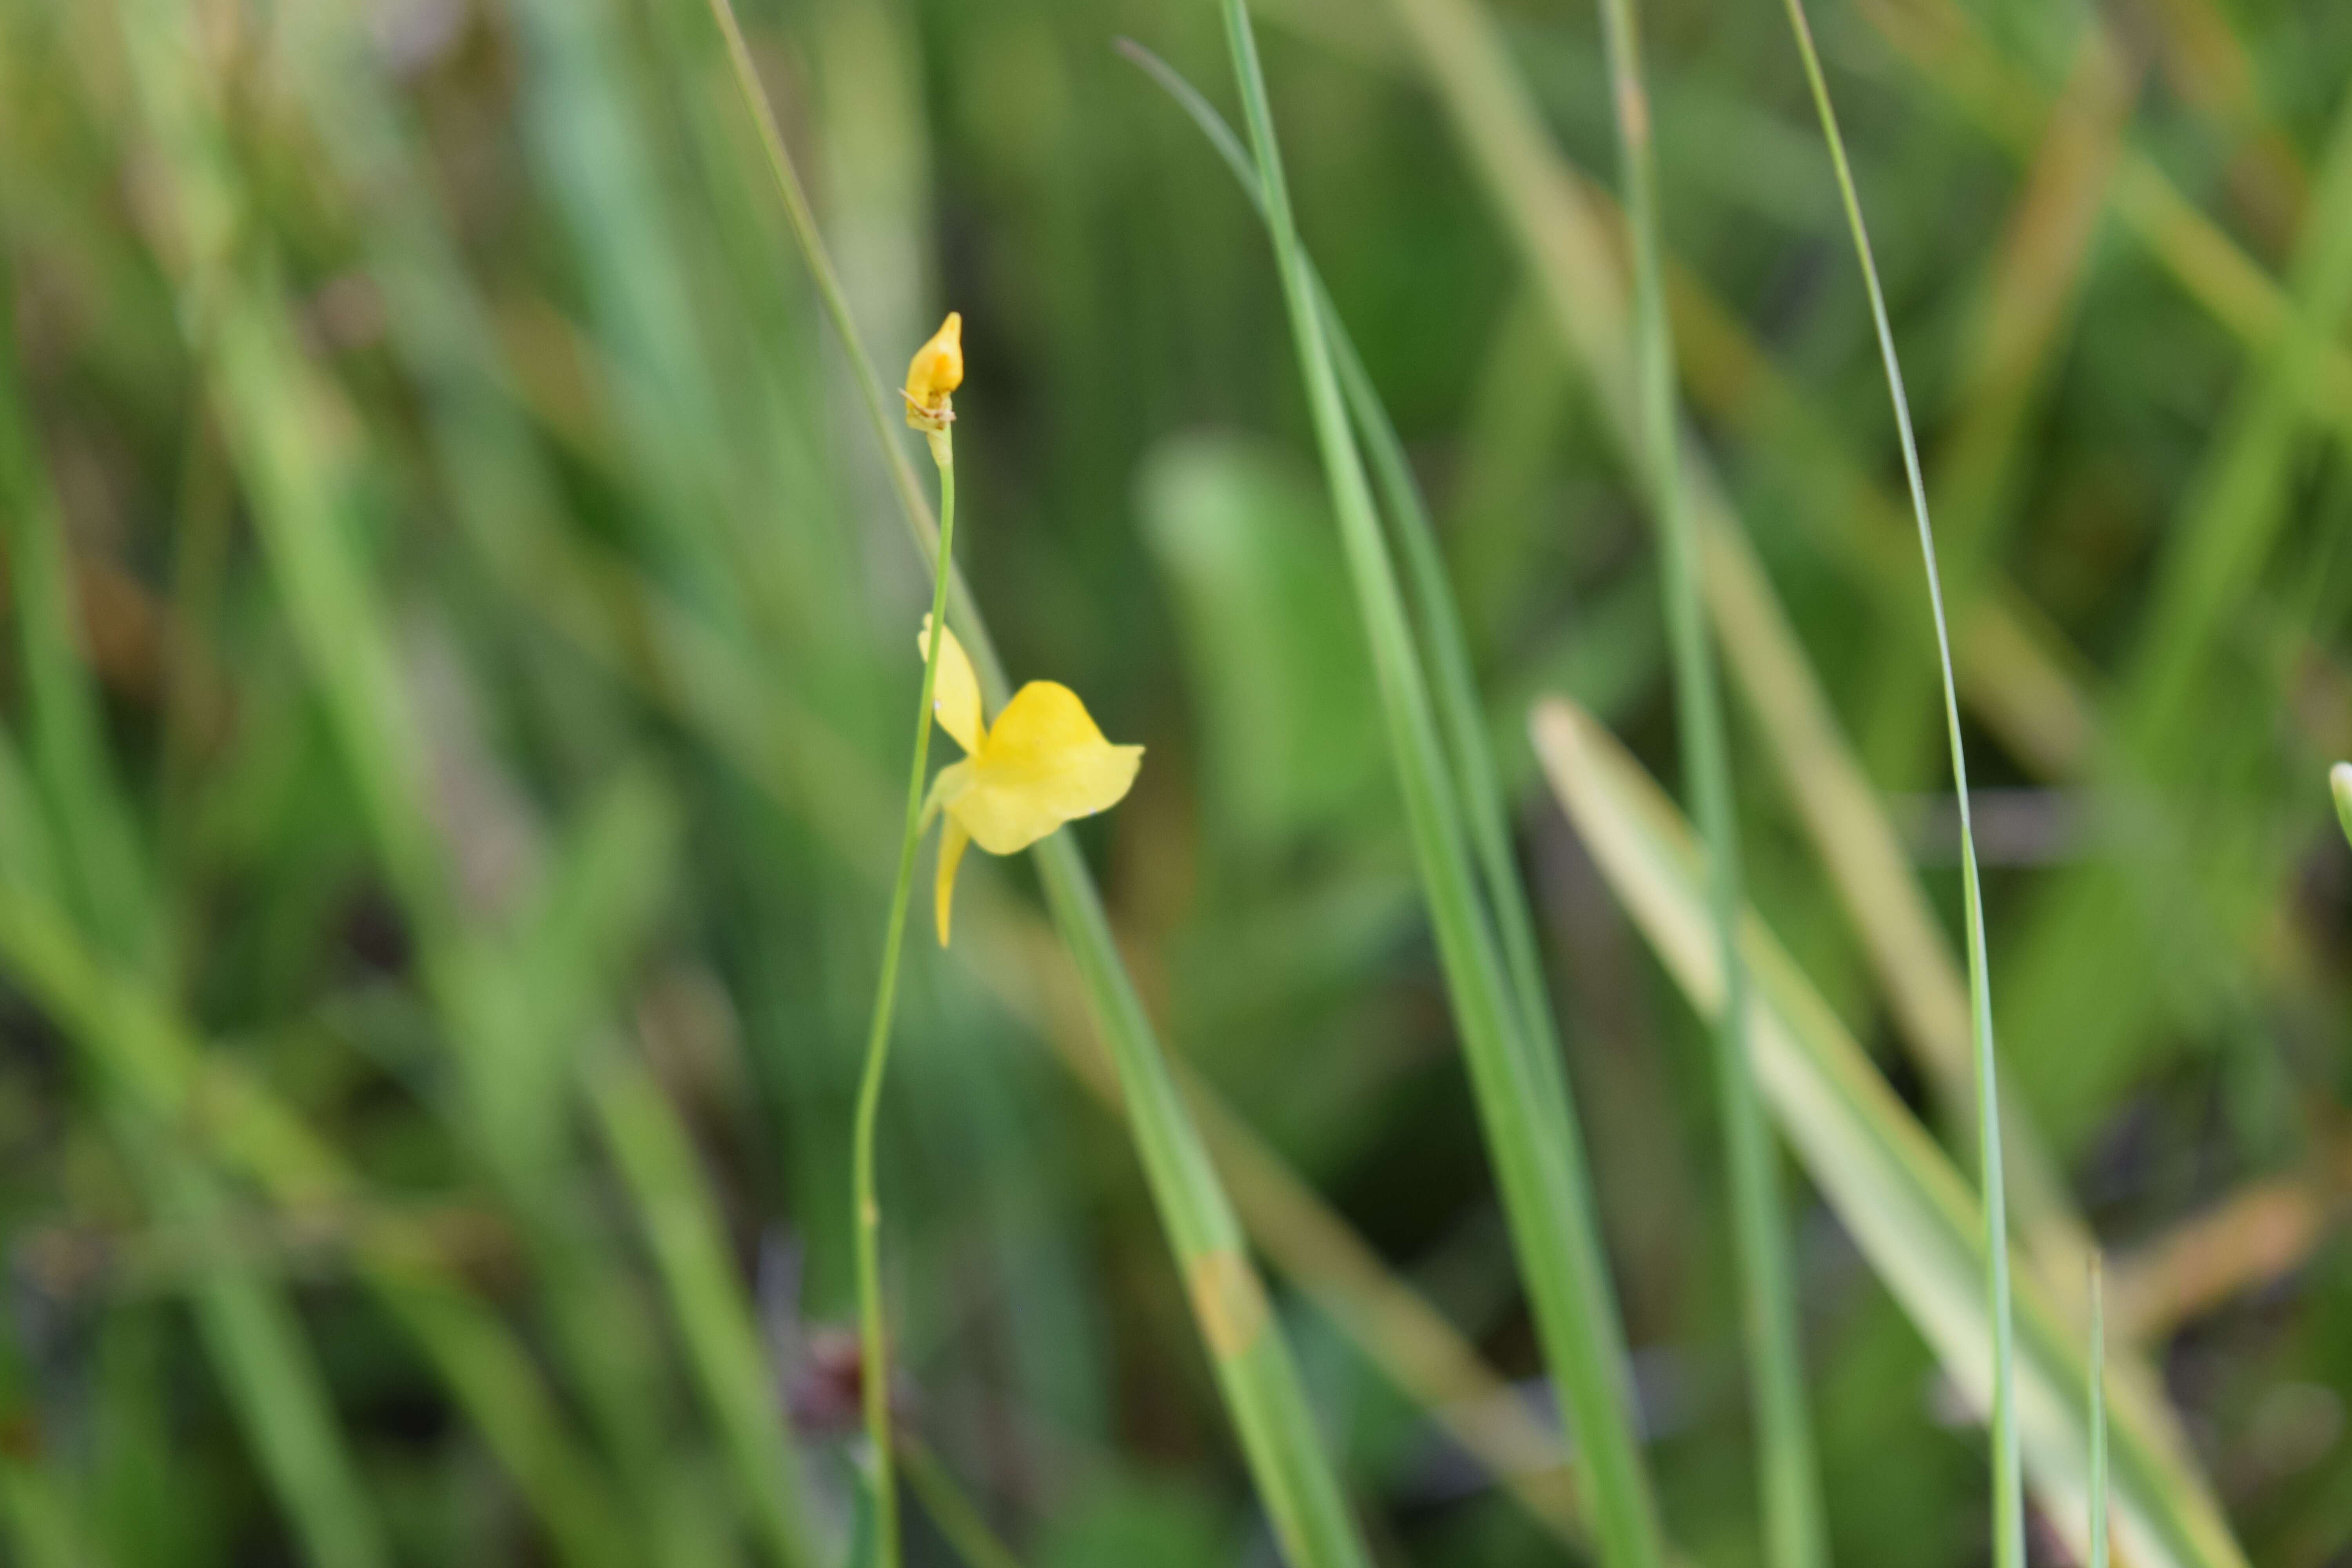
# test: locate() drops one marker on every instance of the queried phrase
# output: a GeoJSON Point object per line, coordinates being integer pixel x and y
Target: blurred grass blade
{"type": "Point", "coordinates": [2097, 1557]}
{"type": "Point", "coordinates": [107, 883]}
{"type": "Point", "coordinates": [253, 1335]}
{"type": "Point", "coordinates": [2241, 496]}
{"type": "Point", "coordinates": [2007, 1499]}
{"type": "Point", "coordinates": [1908, 1210]}
{"type": "Point", "coordinates": [1251, 1354]}
{"type": "Point", "coordinates": [1255, 1372]}
{"type": "Point", "coordinates": [2168, 921]}
{"type": "Point", "coordinates": [1521, 1085]}
{"type": "Point", "coordinates": [132, 1039]}
{"type": "Point", "coordinates": [881, 409]}
{"type": "Point", "coordinates": [2339, 786]}
{"type": "Point", "coordinates": [1947, 43]}
{"type": "Point", "coordinates": [1788, 1472]}
{"type": "Point", "coordinates": [280, 415]}
{"type": "Point", "coordinates": [276, 1383]}
{"type": "Point", "coordinates": [1887, 908]}
{"type": "Point", "coordinates": [952, 1513]}
{"type": "Point", "coordinates": [2018, 676]}
{"type": "Point", "coordinates": [43, 1532]}
{"type": "Point", "coordinates": [690, 1246]}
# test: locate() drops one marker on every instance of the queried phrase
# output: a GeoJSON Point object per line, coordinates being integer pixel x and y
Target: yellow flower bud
{"type": "Point", "coordinates": [936, 369]}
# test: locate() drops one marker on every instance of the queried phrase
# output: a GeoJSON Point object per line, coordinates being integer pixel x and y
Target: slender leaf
{"type": "Point", "coordinates": [1788, 1473]}
{"type": "Point", "coordinates": [1522, 1089]}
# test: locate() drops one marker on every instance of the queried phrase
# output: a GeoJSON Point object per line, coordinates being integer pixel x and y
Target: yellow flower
{"type": "Point", "coordinates": [1041, 764]}
{"type": "Point", "coordinates": [936, 369]}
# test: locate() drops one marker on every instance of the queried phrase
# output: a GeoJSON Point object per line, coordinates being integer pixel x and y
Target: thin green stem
{"type": "Point", "coordinates": [1789, 1475]}
{"type": "Point", "coordinates": [2098, 1555]}
{"type": "Point", "coordinates": [2007, 1494]}
{"type": "Point", "coordinates": [865, 1224]}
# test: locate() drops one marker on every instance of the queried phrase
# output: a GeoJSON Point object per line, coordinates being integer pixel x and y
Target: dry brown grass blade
{"type": "Point", "coordinates": [1896, 1192]}
{"type": "Point", "coordinates": [2258, 1234]}
{"type": "Point", "coordinates": [1951, 56]}
{"type": "Point", "coordinates": [2017, 322]}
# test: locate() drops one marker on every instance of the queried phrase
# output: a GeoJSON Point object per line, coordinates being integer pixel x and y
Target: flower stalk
{"type": "Point", "coordinates": [937, 370]}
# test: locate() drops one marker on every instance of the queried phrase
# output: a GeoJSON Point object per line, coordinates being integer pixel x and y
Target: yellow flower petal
{"type": "Point", "coordinates": [1041, 764]}
{"type": "Point", "coordinates": [952, 839]}
{"type": "Point", "coordinates": [936, 369]}
{"type": "Point", "coordinates": [955, 693]}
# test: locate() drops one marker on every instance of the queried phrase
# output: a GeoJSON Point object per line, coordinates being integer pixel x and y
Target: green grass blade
{"type": "Point", "coordinates": [2008, 1498]}
{"type": "Point", "coordinates": [1251, 1356]}
{"type": "Point", "coordinates": [1522, 1090]}
{"type": "Point", "coordinates": [2097, 1557]}
{"type": "Point", "coordinates": [882, 409]}
{"type": "Point", "coordinates": [505, 498]}
{"type": "Point", "coordinates": [254, 1335]}
{"type": "Point", "coordinates": [1454, 685]}
{"type": "Point", "coordinates": [1909, 1211]}
{"type": "Point", "coordinates": [43, 1530]}
{"type": "Point", "coordinates": [511, 1115]}
{"type": "Point", "coordinates": [65, 744]}
{"type": "Point", "coordinates": [274, 1382]}
{"type": "Point", "coordinates": [583, 124]}
{"type": "Point", "coordinates": [279, 414]}
{"type": "Point", "coordinates": [1789, 1473]}
{"type": "Point", "coordinates": [688, 1240]}
{"type": "Point", "coordinates": [1790, 1480]}
{"type": "Point", "coordinates": [952, 1513]}
{"type": "Point", "coordinates": [135, 1041]}
{"type": "Point", "coordinates": [2339, 786]}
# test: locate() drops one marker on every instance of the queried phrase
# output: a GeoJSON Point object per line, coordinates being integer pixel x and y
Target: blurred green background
{"type": "Point", "coordinates": [456, 678]}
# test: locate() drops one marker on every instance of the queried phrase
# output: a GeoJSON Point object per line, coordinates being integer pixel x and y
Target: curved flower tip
{"type": "Point", "coordinates": [955, 691]}
{"type": "Point", "coordinates": [936, 371]}
{"type": "Point", "coordinates": [1044, 763]}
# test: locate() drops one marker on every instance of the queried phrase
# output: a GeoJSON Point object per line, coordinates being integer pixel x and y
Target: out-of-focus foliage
{"type": "Point", "coordinates": [457, 666]}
